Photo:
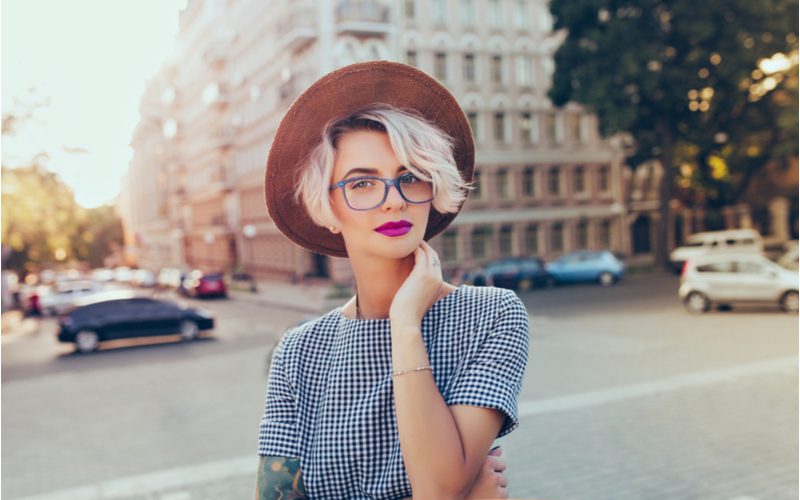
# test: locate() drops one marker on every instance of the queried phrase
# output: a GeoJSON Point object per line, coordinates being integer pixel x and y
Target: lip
{"type": "Point", "coordinates": [394, 225]}
{"type": "Point", "coordinates": [397, 231]}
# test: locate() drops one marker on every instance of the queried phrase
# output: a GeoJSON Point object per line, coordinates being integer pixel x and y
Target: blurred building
{"type": "Point", "coordinates": [546, 182]}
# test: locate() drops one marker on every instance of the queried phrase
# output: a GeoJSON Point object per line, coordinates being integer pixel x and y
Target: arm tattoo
{"type": "Point", "coordinates": [280, 478]}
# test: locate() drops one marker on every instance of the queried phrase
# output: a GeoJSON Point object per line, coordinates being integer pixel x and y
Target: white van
{"type": "Point", "coordinates": [730, 240]}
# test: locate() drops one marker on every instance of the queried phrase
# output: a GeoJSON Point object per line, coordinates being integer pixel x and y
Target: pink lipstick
{"type": "Point", "coordinates": [397, 228]}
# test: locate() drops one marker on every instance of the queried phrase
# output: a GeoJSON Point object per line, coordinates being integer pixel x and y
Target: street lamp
{"type": "Point", "coordinates": [249, 232]}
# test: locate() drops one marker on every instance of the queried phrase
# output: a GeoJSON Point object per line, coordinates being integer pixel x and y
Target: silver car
{"type": "Point", "coordinates": [724, 279]}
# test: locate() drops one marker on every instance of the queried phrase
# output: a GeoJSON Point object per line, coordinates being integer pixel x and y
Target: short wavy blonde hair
{"type": "Point", "coordinates": [422, 147]}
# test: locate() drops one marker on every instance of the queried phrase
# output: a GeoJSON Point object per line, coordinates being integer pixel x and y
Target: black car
{"type": "Point", "coordinates": [516, 273]}
{"type": "Point", "coordinates": [116, 318]}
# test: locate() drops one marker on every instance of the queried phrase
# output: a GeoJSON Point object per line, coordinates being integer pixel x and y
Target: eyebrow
{"type": "Point", "coordinates": [364, 170]}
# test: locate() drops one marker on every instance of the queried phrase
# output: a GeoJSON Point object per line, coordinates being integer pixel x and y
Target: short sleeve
{"type": "Point", "coordinates": [278, 433]}
{"type": "Point", "coordinates": [493, 377]}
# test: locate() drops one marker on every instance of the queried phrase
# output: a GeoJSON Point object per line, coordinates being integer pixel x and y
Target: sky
{"type": "Point", "coordinates": [88, 61]}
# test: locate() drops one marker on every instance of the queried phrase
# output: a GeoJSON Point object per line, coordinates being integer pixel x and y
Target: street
{"type": "Point", "coordinates": [626, 396]}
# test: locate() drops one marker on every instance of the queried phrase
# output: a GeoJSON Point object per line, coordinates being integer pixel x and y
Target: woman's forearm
{"type": "Point", "coordinates": [429, 438]}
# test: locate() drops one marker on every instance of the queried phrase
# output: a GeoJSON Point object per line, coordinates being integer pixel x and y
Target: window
{"type": "Point", "coordinates": [581, 235]}
{"type": "Point", "coordinates": [506, 236]}
{"type": "Point", "coordinates": [480, 242]}
{"type": "Point", "coordinates": [575, 127]}
{"type": "Point", "coordinates": [602, 179]}
{"type": "Point", "coordinates": [716, 267]}
{"type": "Point", "coordinates": [528, 182]}
{"type": "Point", "coordinates": [438, 11]}
{"type": "Point", "coordinates": [526, 128]}
{"type": "Point", "coordinates": [476, 180]}
{"type": "Point", "coordinates": [550, 127]}
{"type": "Point", "coordinates": [495, 13]}
{"type": "Point", "coordinates": [557, 237]}
{"type": "Point", "coordinates": [469, 67]}
{"type": "Point", "coordinates": [500, 127]}
{"type": "Point", "coordinates": [411, 57]}
{"type": "Point", "coordinates": [532, 239]}
{"type": "Point", "coordinates": [450, 246]}
{"type": "Point", "coordinates": [524, 71]}
{"type": "Point", "coordinates": [497, 69]}
{"type": "Point", "coordinates": [472, 118]}
{"type": "Point", "coordinates": [410, 9]}
{"type": "Point", "coordinates": [749, 267]}
{"type": "Point", "coordinates": [605, 234]}
{"type": "Point", "coordinates": [580, 180]}
{"type": "Point", "coordinates": [502, 184]}
{"type": "Point", "coordinates": [440, 66]}
{"type": "Point", "coordinates": [521, 15]}
{"type": "Point", "coordinates": [554, 181]}
{"type": "Point", "coordinates": [468, 12]}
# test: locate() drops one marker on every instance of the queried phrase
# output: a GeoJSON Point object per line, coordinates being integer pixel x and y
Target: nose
{"type": "Point", "coordinates": [394, 199]}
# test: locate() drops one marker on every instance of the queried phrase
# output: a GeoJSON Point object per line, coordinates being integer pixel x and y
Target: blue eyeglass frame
{"type": "Point", "coordinates": [387, 183]}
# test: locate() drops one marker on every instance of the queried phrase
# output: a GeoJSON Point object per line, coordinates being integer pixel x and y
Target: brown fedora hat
{"type": "Point", "coordinates": [337, 95]}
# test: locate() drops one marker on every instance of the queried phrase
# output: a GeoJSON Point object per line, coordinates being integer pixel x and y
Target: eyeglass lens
{"type": "Point", "coordinates": [367, 193]}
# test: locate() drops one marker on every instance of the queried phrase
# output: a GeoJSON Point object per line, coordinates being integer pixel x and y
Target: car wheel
{"type": "Point", "coordinates": [479, 282]}
{"type": "Point", "coordinates": [606, 279]}
{"type": "Point", "coordinates": [524, 284]}
{"type": "Point", "coordinates": [789, 301]}
{"type": "Point", "coordinates": [696, 302]}
{"type": "Point", "coordinates": [87, 341]}
{"type": "Point", "coordinates": [189, 330]}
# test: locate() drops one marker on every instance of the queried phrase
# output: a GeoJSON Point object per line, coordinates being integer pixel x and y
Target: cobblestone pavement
{"type": "Point", "coordinates": [626, 397]}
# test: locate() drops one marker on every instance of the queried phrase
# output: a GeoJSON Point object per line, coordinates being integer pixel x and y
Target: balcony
{"type": "Point", "coordinates": [364, 17]}
{"type": "Point", "coordinates": [297, 29]}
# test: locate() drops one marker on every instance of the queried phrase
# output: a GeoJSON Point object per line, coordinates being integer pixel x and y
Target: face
{"type": "Point", "coordinates": [368, 149]}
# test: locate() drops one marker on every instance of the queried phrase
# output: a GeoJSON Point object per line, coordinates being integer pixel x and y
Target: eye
{"type": "Point", "coordinates": [364, 183]}
{"type": "Point", "coordinates": [408, 178]}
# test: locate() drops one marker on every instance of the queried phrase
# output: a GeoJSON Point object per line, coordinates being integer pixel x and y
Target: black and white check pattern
{"type": "Point", "coordinates": [329, 397]}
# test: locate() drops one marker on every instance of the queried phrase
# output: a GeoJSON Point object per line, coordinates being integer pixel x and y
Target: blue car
{"type": "Point", "coordinates": [586, 265]}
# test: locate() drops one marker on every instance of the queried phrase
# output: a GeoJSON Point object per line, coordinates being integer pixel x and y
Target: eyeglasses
{"type": "Point", "coordinates": [365, 193]}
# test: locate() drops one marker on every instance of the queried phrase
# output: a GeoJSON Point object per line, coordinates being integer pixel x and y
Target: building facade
{"type": "Point", "coordinates": [546, 182]}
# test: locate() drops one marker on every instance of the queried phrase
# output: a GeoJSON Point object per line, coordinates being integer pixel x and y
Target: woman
{"type": "Point", "coordinates": [403, 389]}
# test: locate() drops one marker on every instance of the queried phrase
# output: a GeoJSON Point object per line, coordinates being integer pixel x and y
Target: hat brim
{"type": "Point", "coordinates": [334, 96]}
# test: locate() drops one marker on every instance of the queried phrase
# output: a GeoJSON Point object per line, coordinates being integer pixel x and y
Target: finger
{"type": "Point", "coordinates": [498, 464]}
{"type": "Point", "coordinates": [502, 481]}
{"type": "Point", "coordinates": [496, 452]}
{"type": "Point", "coordinates": [420, 258]}
{"type": "Point", "coordinates": [502, 492]}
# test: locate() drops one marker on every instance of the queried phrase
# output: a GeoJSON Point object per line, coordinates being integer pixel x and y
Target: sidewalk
{"type": "Point", "coordinates": [304, 297]}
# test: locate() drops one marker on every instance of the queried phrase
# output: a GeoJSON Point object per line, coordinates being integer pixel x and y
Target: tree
{"type": "Point", "coordinates": [708, 89]}
{"type": "Point", "coordinates": [43, 225]}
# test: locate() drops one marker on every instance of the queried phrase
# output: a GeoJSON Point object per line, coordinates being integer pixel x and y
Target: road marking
{"type": "Point", "coordinates": [185, 477]}
{"type": "Point", "coordinates": [657, 387]}
{"type": "Point", "coordinates": [159, 481]}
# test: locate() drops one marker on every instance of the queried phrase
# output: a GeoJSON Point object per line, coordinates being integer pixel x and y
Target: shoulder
{"type": "Point", "coordinates": [489, 300]}
{"type": "Point", "coordinates": [296, 339]}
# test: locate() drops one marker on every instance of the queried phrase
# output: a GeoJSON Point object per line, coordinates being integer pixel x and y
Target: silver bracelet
{"type": "Point", "coordinates": [417, 369]}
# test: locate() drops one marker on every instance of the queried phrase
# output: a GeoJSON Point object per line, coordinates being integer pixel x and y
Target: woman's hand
{"type": "Point", "coordinates": [420, 290]}
{"type": "Point", "coordinates": [491, 481]}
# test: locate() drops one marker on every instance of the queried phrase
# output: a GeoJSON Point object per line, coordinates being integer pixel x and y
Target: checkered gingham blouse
{"type": "Point", "coordinates": [329, 397]}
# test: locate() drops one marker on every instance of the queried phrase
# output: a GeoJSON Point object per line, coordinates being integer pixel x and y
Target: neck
{"type": "Point", "coordinates": [377, 282]}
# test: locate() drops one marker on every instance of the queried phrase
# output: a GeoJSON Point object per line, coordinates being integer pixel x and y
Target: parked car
{"type": "Point", "coordinates": [200, 284]}
{"type": "Point", "coordinates": [789, 259]}
{"type": "Point", "coordinates": [62, 295]}
{"type": "Point", "coordinates": [143, 278]}
{"type": "Point", "coordinates": [170, 278]}
{"type": "Point", "coordinates": [103, 275]}
{"type": "Point", "coordinates": [601, 266]}
{"type": "Point", "coordinates": [120, 315]}
{"type": "Point", "coordinates": [724, 279]}
{"type": "Point", "coordinates": [728, 241]}
{"type": "Point", "coordinates": [516, 273]}
{"type": "Point", "coordinates": [123, 274]}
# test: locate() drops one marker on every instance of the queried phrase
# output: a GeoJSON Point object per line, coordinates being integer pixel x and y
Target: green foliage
{"type": "Point", "coordinates": [683, 78]}
{"type": "Point", "coordinates": [44, 226]}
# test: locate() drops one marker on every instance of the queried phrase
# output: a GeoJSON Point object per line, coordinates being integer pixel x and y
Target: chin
{"type": "Point", "coordinates": [400, 247]}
